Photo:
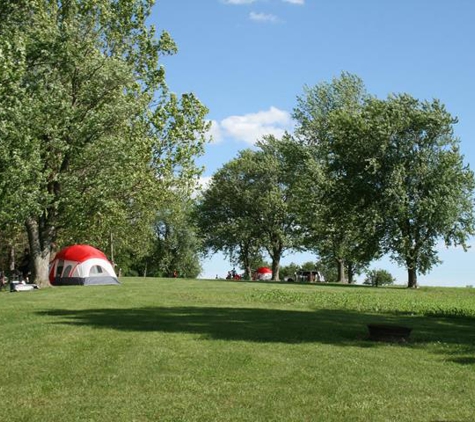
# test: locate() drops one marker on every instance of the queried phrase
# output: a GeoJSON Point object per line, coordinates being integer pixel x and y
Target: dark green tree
{"type": "Point", "coordinates": [223, 215]}
{"type": "Point", "coordinates": [289, 271]}
{"type": "Point", "coordinates": [378, 278]}
{"type": "Point", "coordinates": [176, 245]}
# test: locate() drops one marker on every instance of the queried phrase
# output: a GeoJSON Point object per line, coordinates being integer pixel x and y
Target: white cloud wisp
{"type": "Point", "coordinates": [263, 17]}
{"type": "Point", "coordinates": [249, 128]}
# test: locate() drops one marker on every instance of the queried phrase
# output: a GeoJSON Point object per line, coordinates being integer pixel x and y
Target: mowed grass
{"type": "Point", "coordinates": [194, 350]}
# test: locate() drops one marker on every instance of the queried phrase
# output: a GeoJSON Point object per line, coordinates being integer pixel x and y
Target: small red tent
{"type": "Point", "coordinates": [264, 273]}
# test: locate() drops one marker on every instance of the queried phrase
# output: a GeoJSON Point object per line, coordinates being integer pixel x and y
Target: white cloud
{"type": "Point", "coordinates": [300, 2]}
{"type": "Point", "coordinates": [263, 17]}
{"type": "Point", "coordinates": [238, 1]}
{"type": "Point", "coordinates": [251, 127]}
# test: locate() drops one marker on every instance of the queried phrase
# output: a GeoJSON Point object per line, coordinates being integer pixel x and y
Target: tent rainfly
{"type": "Point", "coordinates": [81, 265]}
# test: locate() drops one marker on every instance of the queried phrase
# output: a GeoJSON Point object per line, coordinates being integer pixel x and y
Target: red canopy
{"type": "Point", "coordinates": [79, 253]}
{"type": "Point", "coordinates": [264, 270]}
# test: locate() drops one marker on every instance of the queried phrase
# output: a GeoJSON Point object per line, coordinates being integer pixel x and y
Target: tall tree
{"type": "Point", "coordinates": [223, 214]}
{"type": "Point", "coordinates": [176, 246]}
{"type": "Point", "coordinates": [247, 207]}
{"type": "Point", "coordinates": [274, 187]}
{"type": "Point", "coordinates": [405, 159]}
{"type": "Point", "coordinates": [333, 216]}
{"type": "Point", "coordinates": [90, 137]}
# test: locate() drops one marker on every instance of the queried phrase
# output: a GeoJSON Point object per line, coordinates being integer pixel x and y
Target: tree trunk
{"type": "Point", "coordinates": [351, 273]}
{"type": "Point", "coordinates": [40, 249]}
{"type": "Point", "coordinates": [11, 261]}
{"type": "Point", "coordinates": [341, 271]}
{"type": "Point", "coordinates": [276, 255]}
{"type": "Point", "coordinates": [247, 264]}
{"type": "Point", "coordinates": [412, 278]}
{"type": "Point", "coordinates": [275, 270]}
{"type": "Point", "coordinates": [248, 272]}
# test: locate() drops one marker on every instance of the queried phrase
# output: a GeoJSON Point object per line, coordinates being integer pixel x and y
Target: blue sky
{"type": "Point", "coordinates": [248, 60]}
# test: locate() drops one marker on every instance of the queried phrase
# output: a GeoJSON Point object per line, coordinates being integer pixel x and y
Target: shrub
{"type": "Point", "coordinates": [379, 278]}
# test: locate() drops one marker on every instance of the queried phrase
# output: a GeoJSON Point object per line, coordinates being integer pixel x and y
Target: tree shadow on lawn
{"type": "Point", "coordinates": [276, 325]}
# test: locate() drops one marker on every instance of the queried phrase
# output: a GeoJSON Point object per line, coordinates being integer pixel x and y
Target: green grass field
{"type": "Point", "coordinates": [194, 350]}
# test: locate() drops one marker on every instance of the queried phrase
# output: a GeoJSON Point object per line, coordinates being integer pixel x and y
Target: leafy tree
{"type": "Point", "coordinates": [337, 224]}
{"type": "Point", "coordinates": [378, 278]}
{"type": "Point", "coordinates": [274, 189]}
{"type": "Point", "coordinates": [223, 214]}
{"type": "Point", "coordinates": [176, 245]}
{"type": "Point", "coordinates": [401, 156]}
{"type": "Point", "coordinates": [328, 269]}
{"type": "Point", "coordinates": [289, 271]}
{"type": "Point", "coordinates": [247, 207]}
{"type": "Point", "coordinates": [91, 140]}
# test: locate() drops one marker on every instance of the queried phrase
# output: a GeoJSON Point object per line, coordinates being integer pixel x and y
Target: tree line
{"type": "Point", "coordinates": [92, 141]}
{"type": "Point", "coordinates": [94, 148]}
{"type": "Point", "coordinates": [360, 177]}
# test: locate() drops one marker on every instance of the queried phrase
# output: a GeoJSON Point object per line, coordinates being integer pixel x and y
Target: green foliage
{"type": "Point", "coordinates": [91, 139]}
{"type": "Point", "coordinates": [380, 176]}
{"type": "Point", "coordinates": [223, 214]}
{"type": "Point", "coordinates": [406, 163]}
{"type": "Point", "coordinates": [288, 271]}
{"type": "Point", "coordinates": [328, 269]}
{"type": "Point", "coordinates": [378, 278]}
{"type": "Point", "coordinates": [337, 225]}
{"type": "Point", "coordinates": [247, 207]}
{"type": "Point", "coordinates": [175, 245]}
{"type": "Point", "coordinates": [292, 269]}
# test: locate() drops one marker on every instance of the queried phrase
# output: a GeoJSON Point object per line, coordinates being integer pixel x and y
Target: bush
{"type": "Point", "coordinates": [379, 278]}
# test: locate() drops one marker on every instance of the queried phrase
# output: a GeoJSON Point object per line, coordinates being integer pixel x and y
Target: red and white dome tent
{"type": "Point", "coordinates": [81, 265]}
{"type": "Point", "coordinates": [264, 273]}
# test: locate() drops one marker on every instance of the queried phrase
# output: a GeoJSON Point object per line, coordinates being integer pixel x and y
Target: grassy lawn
{"type": "Point", "coordinates": [194, 350]}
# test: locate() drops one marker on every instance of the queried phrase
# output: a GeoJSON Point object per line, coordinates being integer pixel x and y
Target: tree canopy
{"type": "Point", "coordinates": [247, 207]}
{"type": "Point", "coordinates": [382, 176]}
{"type": "Point", "coordinates": [91, 140]}
{"type": "Point", "coordinates": [361, 177]}
{"type": "Point", "coordinates": [175, 248]}
{"type": "Point", "coordinates": [378, 278]}
{"type": "Point", "coordinates": [337, 225]}
{"type": "Point", "coordinates": [406, 161]}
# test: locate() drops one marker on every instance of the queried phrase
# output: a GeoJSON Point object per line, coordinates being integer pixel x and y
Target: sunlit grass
{"type": "Point", "coordinates": [191, 350]}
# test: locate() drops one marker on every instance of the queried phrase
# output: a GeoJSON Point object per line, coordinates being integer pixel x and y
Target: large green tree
{"type": "Point", "coordinates": [401, 155]}
{"type": "Point", "coordinates": [336, 221]}
{"type": "Point", "coordinates": [176, 246]}
{"type": "Point", "coordinates": [247, 207]}
{"type": "Point", "coordinates": [91, 140]}
{"type": "Point", "coordinates": [223, 214]}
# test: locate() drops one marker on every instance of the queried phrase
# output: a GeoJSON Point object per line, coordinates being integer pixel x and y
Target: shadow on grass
{"type": "Point", "coordinates": [464, 360]}
{"type": "Point", "coordinates": [275, 325]}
